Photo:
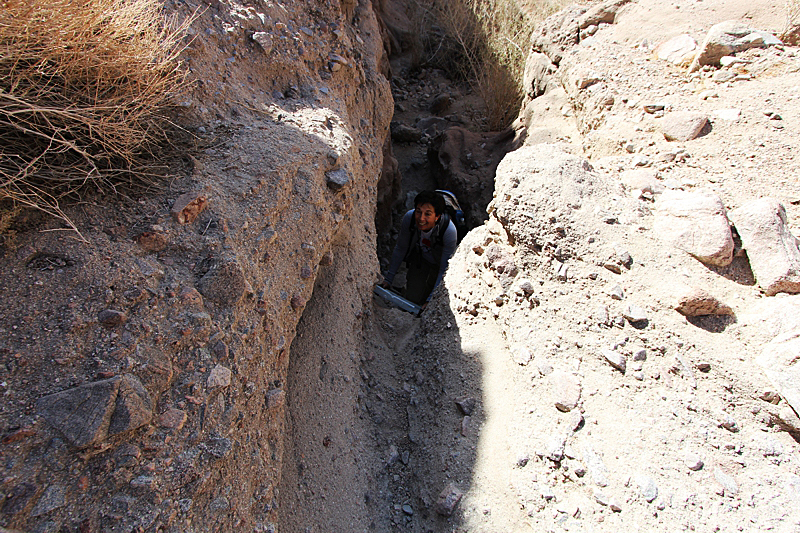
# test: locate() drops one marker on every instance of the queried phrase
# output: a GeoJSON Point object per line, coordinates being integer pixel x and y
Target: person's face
{"type": "Point", "coordinates": [425, 216]}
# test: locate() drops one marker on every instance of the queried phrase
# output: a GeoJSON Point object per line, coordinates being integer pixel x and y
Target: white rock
{"type": "Point", "coordinates": [697, 223]}
{"type": "Point", "coordinates": [774, 253]}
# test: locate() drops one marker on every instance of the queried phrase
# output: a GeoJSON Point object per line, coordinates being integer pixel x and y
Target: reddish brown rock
{"type": "Point", "coordinates": [191, 297]}
{"type": "Point", "coordinates": [188, 206]}
{"type": "Point", "coordinates": [152, 241]}
{"type": "Point", "coordinates": [172, 419]}
{"type": "Point", "coordinates": [448, 500]}
{"type": "Point", "coordinates": [111, 317]}
{"type": "Point", "coordinates": [698, 302]}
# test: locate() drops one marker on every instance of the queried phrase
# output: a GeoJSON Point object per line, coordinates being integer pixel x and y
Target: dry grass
{"type": "Point", "coordinates": [486, 42]}
{"type": "Point", "coordinates": [84, 85]}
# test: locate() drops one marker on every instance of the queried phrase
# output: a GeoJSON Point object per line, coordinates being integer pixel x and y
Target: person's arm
{"type": "Point", "coordinates": [400, 247]}
{"type": "Point", "coordinates": [449, 241]}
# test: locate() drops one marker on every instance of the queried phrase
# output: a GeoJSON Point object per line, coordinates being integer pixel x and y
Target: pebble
{"type": "Point", "coordinates": [635, 314]}
{"type": "Point", "coordinates": [555, 448]}
{"type": "Point", "coordinates": [466, 405]}
{"type": "Point", "coordinates": [615, 359]}
{"type": "Point", "coordinates": [522, 356]}
{"type": "Point", "coordinates": [647, 487]}
{"type": "Point", "coordinates": [111, 317]}
{"type": "Point", "coordinates": [728, 483]}
{"type": "Point", "coordinates": [448, 500]}
{"type": "Point", "coordinates": [566, 391]}
{"type": "Point", "coordinates": [693, 461]}
{"type": "Point", "coordinates": [220, 377]}
{"type": "Point", "coordinates": [616, 293]}
{"type": "Point", "coordinates": [729, 423]}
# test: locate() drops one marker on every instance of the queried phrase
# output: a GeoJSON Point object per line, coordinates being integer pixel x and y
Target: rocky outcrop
{"type": "Point", "coordinates": [150, 362]}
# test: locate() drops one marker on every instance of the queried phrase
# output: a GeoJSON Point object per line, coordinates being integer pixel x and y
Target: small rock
{"type": "Point", "coordinates": [653, 108]}
{"type": "Point", "coordinates": [683, 126]}
{"type": "Point", "coordinates": [728, 483]}
{"type": "Point", "coordinates": [466, 405]}
{"type": "Point", "coordinates": [404, 133]}
{"type": "Point", "coordinates": [773, 252]}
{"type": "Point", "coordinates": [729, 423]}
{"type": "Point", "coordinates": [693, 461]}
{"type": "Point", "coordinates": [220, 377]}
{"type": "Point", "coordinates": [522, 356]}
{"type": "Point", "coordinates": [337, 179]}
{"type": "Point", "coordinates": [566, 389]}
{"type": "Point", "coordinates": [615, 359]}
{"type": "Point", "coordinates": [465, 423]}
{"type": "Point", "coordinates": [448, 500]}
{"type": "Point", "coordinates": [554, 448]}
{"type": "Point", "coordinates": [172, 419]}
{"type": "Point", "coordinates": [679, 50]}
{"type": "Point", "coordinates": [616, 293]}
{"type": "Point", "coordinates": [111, 317]}
{"type": "Point", "coordinates": [407, 509]}
{"type": "Point", "coordinates": [601, 498]}
{"type": "Point", "coordinates": [698, 302]}
{"type": "Point", "coordinates": [264, 40]}
{"type": "Point", "coordinates": [640, 355]}
{"type": "Point", "coordinates": [188, 206]}
{"type": "Point", "coordinates": [635, 314]}
{"type": "Point", "coordinates": [440, 104]}
{"type": "Point", "coordinates": [152, 241]}
{"type": "Point", "coordinates": [647, 487]}
{"type": "Point", "coordinates": [275, 398]}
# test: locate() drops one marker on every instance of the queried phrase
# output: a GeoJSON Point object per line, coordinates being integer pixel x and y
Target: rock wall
{"type": "Point", "coordinates": [145, 370]}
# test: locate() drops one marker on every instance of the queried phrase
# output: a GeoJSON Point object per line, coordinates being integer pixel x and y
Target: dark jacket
{"type": "Point", "coordinates": [443, 243]}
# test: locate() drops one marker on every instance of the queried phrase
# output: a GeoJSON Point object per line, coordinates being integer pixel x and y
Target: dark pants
{"type": "Point", "coordinates": [420, 279]}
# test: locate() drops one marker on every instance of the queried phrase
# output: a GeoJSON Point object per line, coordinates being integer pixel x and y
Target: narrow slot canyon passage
{"type": "Point", "coordinates": [374, 434]}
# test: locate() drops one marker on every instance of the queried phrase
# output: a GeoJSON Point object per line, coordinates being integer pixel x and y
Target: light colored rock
{"type": "Point", "coordinates": [780, 362]}
{"type": "Point", "coordinates": [220, 377]}
{"type": "Point", "coordinates": [774, 253]}
{"type": "Point", "coordinates": [729, 114]}
{"type": "Point", "coordinates": [634, 314]}
{"type": "Point", "coordinates": [566, 389]}
{"type": "Point", "coordinates": [615, 359]}
{"type": "Point", "coordinates": [693, 461]}
{"type": "Point", "coordinates": [647, 487]}
{"type": "Point", "coordinates": [597, 469]}
{"type": "Point", "coordinates": [727, 38]}
{"type": "Point", "coordinates": [683, 125]}
{"type": "Point", "coordinates": [642, 179]}
{"type": "Point", "coordinates": [522, 355]}
{"type": "Point", "coordinates": [680, 50]}
{"type": "Point", "coordinates": [728, 483]}
{"type": "Point", "coordinates": [697, 223]}
{"type": "Point", "coordinates": [698, 302]}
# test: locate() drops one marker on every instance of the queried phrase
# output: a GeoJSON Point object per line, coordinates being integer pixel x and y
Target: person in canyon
{"type": "Point", "coordinates": [426, 242]}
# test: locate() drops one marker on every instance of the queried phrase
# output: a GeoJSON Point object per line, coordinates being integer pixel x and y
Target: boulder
{"type": "Point", "coordinates": [727, 38]}
{"type": "Point", "coordinates": [780, 362]}
{"type": "Point", "coordinates": [774, 253]}
{"type": "Point", "coordinates": [680, 50]}
{"type": "Point", "coordinates": [697, 223]}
